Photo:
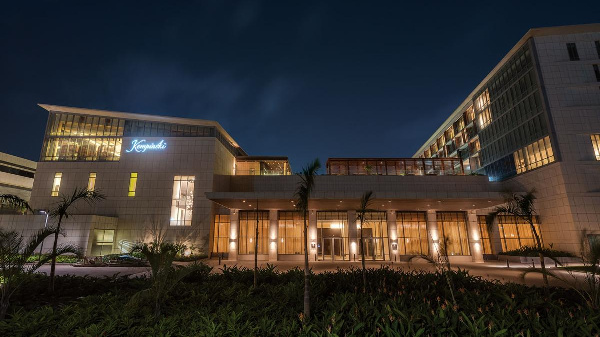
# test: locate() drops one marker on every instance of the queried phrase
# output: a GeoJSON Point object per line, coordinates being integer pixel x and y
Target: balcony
{"type": "Point", "coordinates": [395, 166]}
{"type": "Point", "coordinates": [262, 166]}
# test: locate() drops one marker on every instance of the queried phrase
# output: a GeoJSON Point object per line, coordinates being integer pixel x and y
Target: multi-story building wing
{"type": "Point", "coordinates": [16, 175]}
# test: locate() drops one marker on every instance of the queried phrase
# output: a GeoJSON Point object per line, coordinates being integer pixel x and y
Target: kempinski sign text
{"type": "Point", "coordinates": [140, 145]}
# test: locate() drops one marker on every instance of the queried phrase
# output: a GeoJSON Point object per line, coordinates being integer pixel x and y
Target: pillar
{"type": "Point", "coordinates": [392, 235]}
{"type": "Point", "coordinates": [273, 234]}
{"type": "Point", "coordinates": [353, 236]}
{"type": "Point", "coordinates": [312, 235]}
{"type": "Point", "coordinates": [234, 222]}
{"type": "Point", "coordinates": [434, 235]}
{"type": "Point", "coordinates": [474, 237]}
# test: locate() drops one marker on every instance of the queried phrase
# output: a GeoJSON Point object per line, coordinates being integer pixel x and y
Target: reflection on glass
{"type": "Point", "coordinates": [183, 201]}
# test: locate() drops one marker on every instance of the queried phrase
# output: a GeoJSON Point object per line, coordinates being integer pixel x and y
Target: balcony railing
{"type": "Point", "coordinates": [395, 166]}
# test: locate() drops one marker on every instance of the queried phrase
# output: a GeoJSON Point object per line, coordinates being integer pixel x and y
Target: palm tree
{"type": "Point", "coordinates": [303, 192]}
{"type": "Point", "coordinates": [365, 202]}
{"type": "Point", "coordinates": [14, 202]}
{"type": "Point", "coordinates": [256, 248]}
{"type": "Point", "coordinates": [14, 255]}
{"type": "Point", "coordinates": [522, 207]}
{"type": "Point", "coordinates": [62, 211]}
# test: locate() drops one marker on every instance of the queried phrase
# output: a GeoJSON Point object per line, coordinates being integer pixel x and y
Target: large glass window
{"type": "Point", "coordinates": [56, 184]}
{"type": "Point", "coordinates": [534, 155]}
{"type": "Point", "coordinates": [221, 234]}
{"type": "Point", "coordinates": [486, 243]}
{"type": "Point", "coordinates": [291, 236]}
{"type": "Point", "coordinates": [453, 226]}
{"type": "Point", "coordinates": [515, 232]}
{"type": "Point", "coordinates": [103, 241]}
{"type": "Point", "coordinates": [482, 101]}
{"type": "Point", "coordinates": [132, 184]}
{"type": "Point", "coordinates": [596, 145]}
{"type": "Point", "coordinates": [82, 149]}
{"type": "Point", "coordinates": [484, 118]}
{"type": "Point", "coordinates": [375, 235]}
{"type": "Point", "coordinates": [332, 235]}
{"type": "Point", "coordinates": [92, 181]}
{"type": "Point", "coordinates": [248, 222]}
{"type": "Point", "coordinates": [412, 233]}
{"type": "Point", "coordinates": [183, 201]}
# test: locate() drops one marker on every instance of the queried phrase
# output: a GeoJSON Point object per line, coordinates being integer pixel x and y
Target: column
{"type": "Point", "coordinates": [434, 235]}
{"type": "Point", "coordinates": [474, 236]}
{"type": "Point", "coordinates": [495, 240]}
{"type": "Point", "coordinates": [312, 235]}
{"type": "Point", "coordinates": [353, 236]}
{"type": "Point", "coordinates": [392, 235]}
{"type": "Point", "coordinates": [273, 234]}
{"type": "Point", "coordinates": [234, 222]}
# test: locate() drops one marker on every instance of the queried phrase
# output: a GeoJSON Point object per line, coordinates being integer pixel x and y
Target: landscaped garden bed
{"type": "Point", "coordinates": [530, 255]}
{"type": "Point", "coordinates": [213, 304]}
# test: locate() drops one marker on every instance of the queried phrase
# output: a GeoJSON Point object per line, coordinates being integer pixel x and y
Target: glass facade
{"type": "Point", "coordinates": [291, 234]}
{"type": "Point", "coordinates": [73, 137]}
{"type": "Point", "coordinates": [183, 201]}
{"type": "Point", "coordinates": [516, 232]}
{"type": "Point", "coordinates": [221, 234]}
{"type": "Point", "coordinates": [486, 243]}
{"type": "Point", "coordinates": [375, 235]}
{"type": "Point", "coordinates": [247, 226]}
{"type": "Point", "coordinates": [412, 233]}
{"type": "Point", "coordinates": [262, 167]}
{"type": "Point", "coordinates": [453, 226]}
{"type": "Point", "coordinates": [332, 235]}
{"type": "Point", "coordinates": [394, 166]}
{"type": "Point", "coordinates": [534, 155]}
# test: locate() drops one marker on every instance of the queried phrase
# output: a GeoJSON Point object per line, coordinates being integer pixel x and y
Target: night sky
{"type": "Point", "coordinates": [295, 78]}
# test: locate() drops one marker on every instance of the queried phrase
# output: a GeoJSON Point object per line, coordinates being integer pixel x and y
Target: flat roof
{"type": "Point", "coordinates": [533, 32]}
{"type": "Point", "coordinates": [18, 162]}
{"type": "Point", "coordinates": [143, 117]}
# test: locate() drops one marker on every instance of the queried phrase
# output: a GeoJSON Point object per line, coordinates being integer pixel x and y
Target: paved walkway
{"type": "Point", "coordinates": [488, 270]}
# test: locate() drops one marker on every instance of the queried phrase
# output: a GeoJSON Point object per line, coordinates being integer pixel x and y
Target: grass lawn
{"type": "Point", "coordinates": [225, 304]}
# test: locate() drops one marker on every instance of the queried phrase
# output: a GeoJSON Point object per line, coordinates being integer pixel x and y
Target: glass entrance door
{"type": "Point", "coordinates": [332, 249]}
{"type": "Point", "coordinates": [374, 248]}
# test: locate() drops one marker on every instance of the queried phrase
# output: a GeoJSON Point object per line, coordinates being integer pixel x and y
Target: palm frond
{"type": "Point", "coordinates": [15, 202]}
{"type": "Point", "coordinates": [79, 195]}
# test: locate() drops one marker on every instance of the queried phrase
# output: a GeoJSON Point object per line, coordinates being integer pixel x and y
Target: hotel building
{"type": "Point", "coordinates": [16, 175]}
{"type": "Point", "coordinates": [533, 122]}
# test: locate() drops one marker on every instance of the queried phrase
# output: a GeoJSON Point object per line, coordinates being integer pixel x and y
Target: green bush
{"type": "Point", "coordinates": [534, 252]}
{"type": "Point", "coordinates": [190, 258]}
{"type": "Point", "coordinates": [395, 303]}
{"type": "Point", "coordinates": [59, 259]}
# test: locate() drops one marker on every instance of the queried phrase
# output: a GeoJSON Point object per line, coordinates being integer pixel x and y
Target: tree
{"type": "Point", "coordinates": [15, 251]}
{"type": "Point", "coordinates": [256, 249]}
{"type": "Point", "coordinates": [303, 193]}
{"type": "Point", "coordinates": [522, 207]}
{"type": "Point", "coordinates": [365, 202]}
{"type": "Point", "coordinates": [62, 210]}
{"type": "Point", "coordinates": [14, 202]}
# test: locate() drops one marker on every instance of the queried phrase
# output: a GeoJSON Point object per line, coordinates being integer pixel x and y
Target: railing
{"type": "Point", "coordinates": [254, 172]}
{"type": "Point", "coordinates": [395, 166]}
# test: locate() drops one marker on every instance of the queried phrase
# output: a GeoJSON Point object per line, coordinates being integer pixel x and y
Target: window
{"type": "Point", "coordinates": [332, 235]}
{"type": "Point", "coordinates": [248, 222]}
{"type": "Point", "coordinates": [572, 49]}
{"type": "Point", "coordinates": [92, 181]}
{"type": "Point", "coordinates": [221, 234]}
{"type": "Point", "coordinates": [291, 236]}
{"type": "Point", "coordinates": [482, 100]}
{"type": "Point", "coordinates": [597, 72]}
{"type": "Point", "coordinates": [375, 236]}
{"type": "Point", "coordinates": [484, 118]}
{"type": "Point", "coordinates": [516, 232]}
{"type": "Point", "coordinates": [486, 244]}
{"type": "Point", "coordinates": [453, 226]}
{"type": "Point", "coordinates": [534, 155]}
{"type": "Point", "coordinates": [56, 184]}
{"type": "Point", "coordinates": [412, 233]}
{"type": "Point", "coordinates": [597, 48]}
{"type": "Point", "coordinates": [596, 145]}
{"type": "Point", "coordinates": [103, 241]}
{"type": "Point", "coordinates": [132, 184]}
{"type": "Point", "coordinates": [183, 201]}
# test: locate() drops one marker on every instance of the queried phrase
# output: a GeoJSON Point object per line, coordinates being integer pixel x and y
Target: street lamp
{"type": "Point", "coordinates": [45, 226]}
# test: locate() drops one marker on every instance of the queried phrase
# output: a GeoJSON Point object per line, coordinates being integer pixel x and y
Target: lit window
{"type": "Point", "coordinates": [92, 181]}
{"type": "Point", "coordinates": [412, 233]}
{"type": "Point", "coordinates": [291, 235]}
{"type": "Point", "coordinates": [453, 226]}
{"type": "Point", "coordinates": [482, 100]}
{"type": "Point", "coordinates": [486, 243]}
{"type": "Point", "coordinates": [516, 233]}
{"type": "Point", "coordinates": [248, 221]}
{"type": "Point", "coordinates": [572, 49]}
{"type": "Point", "coordinates": [183, 201]}
{"type": "Point", "coordinates": [56, 184]}
{"type": "Point", "coordinates": [534, 155]}
{"type": "Point", "coordinates": [596, 144]}
{"type": "Point", "coordinates": [221, 234]}
{"type": "Point", "coordinates": [132, 184]}
{"type": "Point", "coordinates": [484, 118]}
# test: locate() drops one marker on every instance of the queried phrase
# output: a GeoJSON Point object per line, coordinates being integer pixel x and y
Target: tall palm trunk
{"type": "Point", "coordinates": [362, 254]}
{"type": "Point", "coordinates": [256, 248]}
{"type": "Point", "coordinates": [306, 271]}
{"type": "Point", "coordinates": [54, 247]}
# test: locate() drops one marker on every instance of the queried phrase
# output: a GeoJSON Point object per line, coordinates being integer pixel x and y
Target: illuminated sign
{"type": "Point", "coordinates": [140, 145]}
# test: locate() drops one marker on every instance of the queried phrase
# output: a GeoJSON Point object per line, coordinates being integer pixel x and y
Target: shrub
{"type": "Point", "coordinates": [59, 259]}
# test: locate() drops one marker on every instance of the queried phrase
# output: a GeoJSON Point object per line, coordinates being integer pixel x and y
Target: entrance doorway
{"type": "Point", "coordinates": [332, 249]}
